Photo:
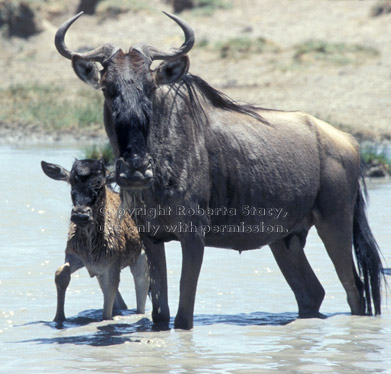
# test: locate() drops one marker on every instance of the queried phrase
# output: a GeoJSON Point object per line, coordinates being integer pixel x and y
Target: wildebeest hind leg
{"type": "Point", "coordinates": [301, 278]}
{"type": "Point", "coordinates": [336, 234]}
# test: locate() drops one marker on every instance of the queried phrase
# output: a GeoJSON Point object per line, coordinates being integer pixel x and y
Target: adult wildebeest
{"type": "Point", "coordinates": [97, 238]}
{"type": "Point", "coordinates": [188, 149]}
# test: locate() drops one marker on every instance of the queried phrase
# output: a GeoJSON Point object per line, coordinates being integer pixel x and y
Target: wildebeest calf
{"type": "Point", "coordinates": [98, 238]}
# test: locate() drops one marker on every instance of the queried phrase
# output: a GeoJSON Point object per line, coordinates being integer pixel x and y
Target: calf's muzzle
{"type": "Point", "coordinates": [81, 215]}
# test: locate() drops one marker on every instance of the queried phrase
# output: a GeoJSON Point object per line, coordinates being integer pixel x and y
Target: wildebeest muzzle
{"type": "Point", "coordinates": [81, 215]}
{"type": "Point", "coordinates": [134, 172]}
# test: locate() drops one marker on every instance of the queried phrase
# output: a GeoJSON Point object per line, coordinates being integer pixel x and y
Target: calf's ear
{"type": "Point", "coordinates": [87, 71]}
{"type": "Point", "coordinates": [169, 72]}
{"type": "Point", "coordinates": [56, 172]}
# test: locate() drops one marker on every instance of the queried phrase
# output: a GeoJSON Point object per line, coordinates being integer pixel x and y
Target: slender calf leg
{"type": "Point", "coordinates": [119, 303]}
{"type": "Point", "coordinates": [140, 273]}
{"type": "Point", "coordinates": [192, 256]}
{"type": "Point", "coordinates": [301, 278]}
{"type": "Point", "coordinates": [62, 279]}
{"type": "Point", "coordinates": [158, 272]}
{"type": "Point", "coordinates": [109, 283]}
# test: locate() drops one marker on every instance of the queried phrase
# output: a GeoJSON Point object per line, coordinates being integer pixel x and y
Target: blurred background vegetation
{"type": "Point", "coordinates": [50, 106]}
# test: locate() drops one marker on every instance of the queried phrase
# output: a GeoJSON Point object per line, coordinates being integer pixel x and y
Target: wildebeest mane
{"type": "Point", "coordinates": [195, 85]}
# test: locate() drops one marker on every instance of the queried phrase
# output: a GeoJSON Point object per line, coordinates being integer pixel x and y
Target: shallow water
{"type": "Point", "coordinates": [245, 316]}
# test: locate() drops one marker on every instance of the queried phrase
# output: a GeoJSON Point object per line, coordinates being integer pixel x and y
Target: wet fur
{"type": "Point", "coordinates": [109, 238]}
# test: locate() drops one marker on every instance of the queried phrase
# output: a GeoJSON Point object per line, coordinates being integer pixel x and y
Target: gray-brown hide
{"type": "Point", "coordinates": [98, 238]}
{"type": "Point", "coordinates": [180, 144]}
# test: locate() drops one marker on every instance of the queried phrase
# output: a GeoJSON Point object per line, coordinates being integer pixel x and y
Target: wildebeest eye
{"type": "Point", "coordinates": [95, 192]}
{"type": "Point", "coordinates": [95, 185]}
{"type": "Point", "coordinates": [110, 90]}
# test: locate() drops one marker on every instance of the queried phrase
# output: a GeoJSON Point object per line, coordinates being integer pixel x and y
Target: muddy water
{"type": "Point", "coordinates": [245, 317]}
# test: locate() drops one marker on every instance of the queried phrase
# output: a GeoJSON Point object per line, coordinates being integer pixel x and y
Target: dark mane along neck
{"type": "Point", "coordinates": [197, 86]}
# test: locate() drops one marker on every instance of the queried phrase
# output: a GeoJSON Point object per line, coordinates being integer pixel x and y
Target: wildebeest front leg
{"type": "Point", "coordinates": [301, 278]}
{"type": "Point", "coordinates": [140, 274]}
{"type": "Point", "coordinates": [158, 274]}
{"type": "Point", "coordinates": [192, 256]}
{"type": "Point", "coordinates": [62, 279]}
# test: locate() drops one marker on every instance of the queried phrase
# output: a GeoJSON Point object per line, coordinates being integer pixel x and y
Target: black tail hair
{"type": "Point", "coordinates": [367, 254]}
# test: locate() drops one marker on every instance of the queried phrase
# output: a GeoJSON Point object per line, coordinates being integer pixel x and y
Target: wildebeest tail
{"type": "Point", "coordinates": [367, 254]}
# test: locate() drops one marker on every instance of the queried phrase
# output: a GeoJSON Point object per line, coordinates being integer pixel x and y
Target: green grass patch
{"type": "Point", "coordinates": [103, 152]}
{"type": "Point", "coordinates": [375, 155]}
{"type": "Point", "coordinates": [334, 53]}
{"type": "Point", "coordinates": [49, 107]}
{"type": "Point", "coordinates": [202, 43]}
{"type": "Point", "coordinates": [237, 47]}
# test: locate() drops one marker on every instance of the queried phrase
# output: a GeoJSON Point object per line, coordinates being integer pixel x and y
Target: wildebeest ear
{"type": "Point", "coordinates": [87, 71]}
{"type": "Point", "coordinates": [56, 172]}
{"type": "Point", "coordinates": [171, 71]}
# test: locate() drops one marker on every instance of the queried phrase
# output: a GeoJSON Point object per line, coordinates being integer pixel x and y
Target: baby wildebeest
{"type": "Point", "coordinates": [98, 239]}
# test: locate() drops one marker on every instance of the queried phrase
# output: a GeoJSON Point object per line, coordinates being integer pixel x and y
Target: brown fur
{"type": "Point", "coordinates": [109, 238]}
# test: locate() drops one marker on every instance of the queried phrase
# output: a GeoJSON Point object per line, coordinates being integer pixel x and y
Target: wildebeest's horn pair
{"type": "Point", "coordinates": [107, 50]}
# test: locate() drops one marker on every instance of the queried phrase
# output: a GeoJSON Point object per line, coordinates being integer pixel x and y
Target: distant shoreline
{"type": "Point", "coordinates": [87, 138]}
{"type": "Point", "coordinates": [18, 134]}
{"type": "Point", "coordinates": [30, 134]}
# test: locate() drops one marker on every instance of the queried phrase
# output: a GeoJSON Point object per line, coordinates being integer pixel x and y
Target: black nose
{"type": "Point", "coordinates": [81, 216]}
{"type": "Point", "coordinates": [134, 173]}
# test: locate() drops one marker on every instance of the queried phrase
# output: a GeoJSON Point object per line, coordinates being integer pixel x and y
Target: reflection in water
{"type": "Point", "coordinates": [245, 318]}
{"type": "Point", "coordinates": [115, 333]}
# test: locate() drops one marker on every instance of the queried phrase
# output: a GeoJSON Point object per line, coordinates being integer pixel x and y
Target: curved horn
{"type": "Point", "coordinates": [176, 52]}
{"type": "Point", "coordinates": [99, 54]}
{"type": "Point", "coordinates": [60, 35]}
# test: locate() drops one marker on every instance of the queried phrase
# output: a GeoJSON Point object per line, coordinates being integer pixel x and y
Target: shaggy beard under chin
{"type": "Point", "coordinates": [129, 201]}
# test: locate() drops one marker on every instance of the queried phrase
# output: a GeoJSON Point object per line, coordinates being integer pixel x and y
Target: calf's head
{"type": "Point", "coordinates": [87, 179]}
{"type": "Point", "coordinates": [129, 85]}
